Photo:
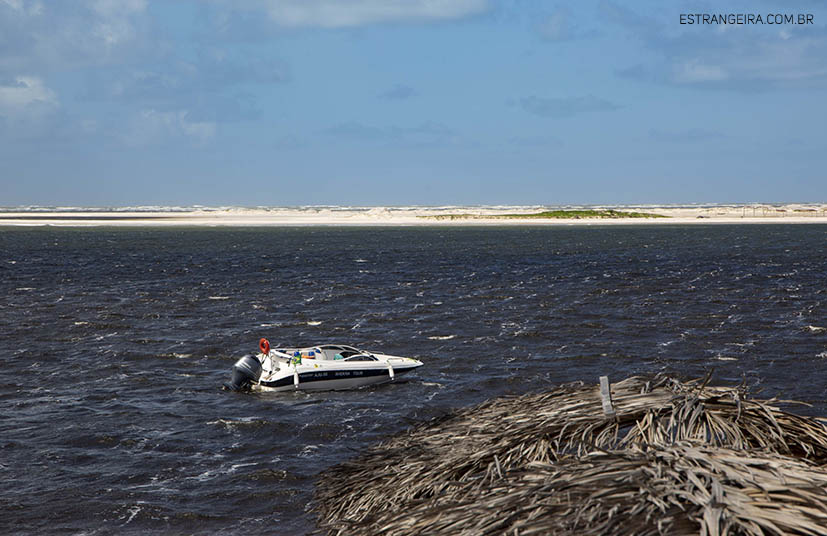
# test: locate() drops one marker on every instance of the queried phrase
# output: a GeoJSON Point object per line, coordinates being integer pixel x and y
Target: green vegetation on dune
{"type": "Point", "coordinates": [550, 215]}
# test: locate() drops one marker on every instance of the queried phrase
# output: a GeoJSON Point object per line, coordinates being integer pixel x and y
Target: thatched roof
{"type": "Point", "coordinates": [672, 458]}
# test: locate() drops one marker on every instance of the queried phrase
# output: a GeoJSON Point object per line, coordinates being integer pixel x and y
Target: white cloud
{"type": "Point", "coordinates": [25, 95]}
{"type": "Point", "coordinates": [726, 57]}
{"type": "Point", "coordinates": [20, 6]}
{"type": "Point", "coordinates": [24, 8]}
{"type": "Point", "coordinates": [197, 130]}
{"type": "Point", "coordinates": [152, 126]}
{"type": "Point", "coordinates": [114, 24]}
{"type": "Point", "coordinates": [345, 13]}
{"type": "Point", "coordinates": [117, 8]}
{"type": "Point", "coordinates": [37, 36]}
{"type": "Point", "coordinates": [695, 71]}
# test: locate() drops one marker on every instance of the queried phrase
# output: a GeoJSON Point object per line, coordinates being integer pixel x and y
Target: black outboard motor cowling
{"type": "Point", "coordinates": [245, 371]}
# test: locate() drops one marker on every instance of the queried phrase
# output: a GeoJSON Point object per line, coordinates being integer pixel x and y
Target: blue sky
{"type": "Point", "coordinates": [390, 102]}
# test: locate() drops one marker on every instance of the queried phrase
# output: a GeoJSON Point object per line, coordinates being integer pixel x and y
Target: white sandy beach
{"type": "Point", "coordinates": [406, 216]}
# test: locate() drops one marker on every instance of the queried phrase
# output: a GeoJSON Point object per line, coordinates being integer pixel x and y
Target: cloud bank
{"type": "Point", "coordinates": [739, 58]}
{"type": "Point", "coordinates": [349, 13]}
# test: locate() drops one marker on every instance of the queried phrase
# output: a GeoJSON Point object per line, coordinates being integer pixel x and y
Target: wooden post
{"type": "Point", "coordinates": [606, 396]}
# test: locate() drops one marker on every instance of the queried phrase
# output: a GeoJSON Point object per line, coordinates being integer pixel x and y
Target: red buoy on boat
{"type": "Point", "coordinates": [264, 346]}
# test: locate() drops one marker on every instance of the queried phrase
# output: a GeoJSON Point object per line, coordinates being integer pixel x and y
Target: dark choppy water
{"type": "Point", "coordinates": [114, 343]}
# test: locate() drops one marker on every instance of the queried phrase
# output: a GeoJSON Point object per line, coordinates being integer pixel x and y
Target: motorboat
{"type": "Point", "coordinates": [322, 367]}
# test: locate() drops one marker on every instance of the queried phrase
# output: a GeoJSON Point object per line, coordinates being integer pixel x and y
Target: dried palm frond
{"type": "Point", "coordinates": [469, 454]}
{"type": "Point", "coordinates": [678, 490]}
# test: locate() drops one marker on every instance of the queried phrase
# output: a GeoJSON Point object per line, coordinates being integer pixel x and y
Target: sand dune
{"type": "Point", "coordinates": [405, 216]}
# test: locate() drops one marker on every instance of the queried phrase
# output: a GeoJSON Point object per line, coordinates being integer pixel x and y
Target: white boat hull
{"type": "Point", "coordinates": [326, 380]}
{"type": "Point", "coordinates": [324, 375]}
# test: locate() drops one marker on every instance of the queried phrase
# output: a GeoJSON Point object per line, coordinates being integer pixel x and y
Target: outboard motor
{"type": "Point", "coordinates": [245, 371]}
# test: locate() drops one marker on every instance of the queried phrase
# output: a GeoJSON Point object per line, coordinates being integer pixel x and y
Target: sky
{"type": "Point", "coordinates": [416, 102]}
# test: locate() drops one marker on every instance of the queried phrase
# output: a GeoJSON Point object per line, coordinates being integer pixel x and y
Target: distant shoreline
{"type": "Point", "coordinates": [415, 216]}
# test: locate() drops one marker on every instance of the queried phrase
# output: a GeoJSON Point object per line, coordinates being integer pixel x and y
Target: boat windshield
{"type": "Point", "coordinates": [326, 351]}
{"type": "Point", "coordinates": [361, 357]}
